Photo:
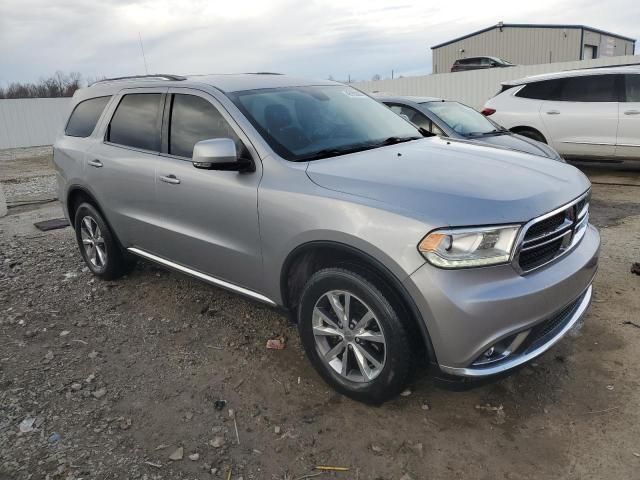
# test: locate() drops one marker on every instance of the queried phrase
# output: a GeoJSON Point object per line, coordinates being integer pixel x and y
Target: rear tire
{"type": "Point", "coordinates": [98, 245]}
{"type": "Point", "coordinates": [344, 315]}
{"type": "Point", "coordinates": [530, 133]}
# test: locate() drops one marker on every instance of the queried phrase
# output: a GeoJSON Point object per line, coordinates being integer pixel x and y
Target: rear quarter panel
{"type": "Point", "coordinates": [512, 111]}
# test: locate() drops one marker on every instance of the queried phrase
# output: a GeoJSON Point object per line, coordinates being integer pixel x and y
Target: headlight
{"type": "Point", "coordinates": [469, 247]}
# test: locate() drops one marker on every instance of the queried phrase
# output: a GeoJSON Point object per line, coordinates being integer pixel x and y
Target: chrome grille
{"type": "Point", "coordinates": [552, 235]}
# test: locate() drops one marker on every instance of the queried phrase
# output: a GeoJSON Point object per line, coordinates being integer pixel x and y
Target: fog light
{"type": "Point", "coordinates": [501, 349]}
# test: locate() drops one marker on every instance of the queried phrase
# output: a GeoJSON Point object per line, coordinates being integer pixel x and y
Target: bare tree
{"type": "Point", "coordinates": [57, 85]}
{"type": "Point", "coordinates": [376, 77]}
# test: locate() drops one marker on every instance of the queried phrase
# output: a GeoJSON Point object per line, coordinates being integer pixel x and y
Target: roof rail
{"type": "Point", "coordinates": [161, 76]}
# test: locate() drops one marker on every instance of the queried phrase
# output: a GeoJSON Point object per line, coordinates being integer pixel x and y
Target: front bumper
{"type": "Point", "coordinates": [468, 311]}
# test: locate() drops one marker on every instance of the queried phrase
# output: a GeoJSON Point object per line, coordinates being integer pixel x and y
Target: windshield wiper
{"type": "Point", "coordinates": [396, 140]}
{"type": "Point", "coordinates": [495, 131]}
{"type": "Point", "coordinates": [334, 152]}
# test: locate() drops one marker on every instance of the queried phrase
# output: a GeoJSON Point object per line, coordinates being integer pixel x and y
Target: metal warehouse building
{"type": "Point", "coordinates": [525, 44]}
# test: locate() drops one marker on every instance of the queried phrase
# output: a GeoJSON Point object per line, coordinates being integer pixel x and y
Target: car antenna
{"type": "Point", "coordinates": [144, 59]}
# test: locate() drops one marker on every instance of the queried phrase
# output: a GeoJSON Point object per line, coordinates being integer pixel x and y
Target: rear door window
{"type": "Point", "coordinates": [632, 88]}
{"type": "Point", "coordinates": [194, 119]}
{"type": "Point", "coordinates": [591, 88]}
{"type": "Point", "coordinates": [85, 116]}
{"type": "Point", "coordinates": [136, 121]}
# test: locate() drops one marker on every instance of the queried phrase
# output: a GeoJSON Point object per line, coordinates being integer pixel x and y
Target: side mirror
{"type": "Point", "coordinates": [405, 116]}
{"type": "Point", "coordinates": [219, 154]}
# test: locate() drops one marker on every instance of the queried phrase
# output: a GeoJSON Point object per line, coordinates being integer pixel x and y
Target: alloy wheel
{"type": "Point", "coordinates": [93, 242]}
{"type": "Point", "coordinates": [348, 336]}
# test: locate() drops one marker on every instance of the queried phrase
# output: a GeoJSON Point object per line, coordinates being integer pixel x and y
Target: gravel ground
{"type": "Point", "coordinates": [27, 175]}
{"type": "Point", "coordinates": [129, 379]}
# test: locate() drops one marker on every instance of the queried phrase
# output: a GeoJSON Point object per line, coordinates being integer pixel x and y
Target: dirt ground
{"type": "Point", "coordinates": [111, 379]}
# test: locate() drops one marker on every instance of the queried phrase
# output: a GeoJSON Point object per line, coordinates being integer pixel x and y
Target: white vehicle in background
{"type": "Point", "coordinates": [583, 114]}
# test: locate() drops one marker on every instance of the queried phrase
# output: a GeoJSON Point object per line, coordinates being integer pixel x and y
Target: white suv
{"type": "Point", "coordinates": [592, 114]}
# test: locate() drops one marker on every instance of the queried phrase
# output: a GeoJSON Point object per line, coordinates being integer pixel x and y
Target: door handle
{"type": "Point", "coordinates": [632, 112]}
{"type": "Point", "coordinates": [553, 112]}
{"type": "Point", "coordinates": [172, 179]}
{"type": "Point", "coordinates": [95, 163]}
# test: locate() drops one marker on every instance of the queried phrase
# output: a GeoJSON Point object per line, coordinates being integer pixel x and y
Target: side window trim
{"type": "Point", "coordinates": [118, 99]}
{"type": "Point", "coordinates": [166, 127]}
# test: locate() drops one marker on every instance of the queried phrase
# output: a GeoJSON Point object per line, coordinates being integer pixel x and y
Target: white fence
{"type": "Point", "coordinates": [33, 122]}
{"type": "Point", "coordinates": [475, 87]}
{"type": "Point", "coordinates": [30, 122]}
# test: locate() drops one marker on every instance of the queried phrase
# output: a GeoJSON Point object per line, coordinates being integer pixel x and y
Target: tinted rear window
{"type": "Point", "coordinates": [591, 88]}
{"type": "Point", "coordinates": [85, 116]}
{"type": "Point", "coordinates": [136, 122]}
{"type": "Point", "coordinates": [544, 90]}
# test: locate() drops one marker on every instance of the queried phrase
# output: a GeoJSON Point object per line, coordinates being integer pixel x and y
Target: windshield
{"type": "Point", "coordinates": [462, 119]}
{"type": "Point", "coordinates": [307, 123]}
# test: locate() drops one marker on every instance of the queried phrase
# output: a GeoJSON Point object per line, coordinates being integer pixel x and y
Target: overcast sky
{"type": "Point", "coordinates": [313, 38]}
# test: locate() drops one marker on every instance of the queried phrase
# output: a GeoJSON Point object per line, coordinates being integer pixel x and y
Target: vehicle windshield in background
{"type": "Point", "coordinates": [462, 119]}
{"type": "Point", "coordinates": [309, 123]}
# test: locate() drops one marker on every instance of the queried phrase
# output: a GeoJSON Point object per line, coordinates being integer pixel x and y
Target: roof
{"type": "Point", "coordinates": [236, 82]}
{"type": "Point", "coordinates": [573, 73]}
{"type": "Point", "coordinates": [405, 98]}
{"type": "Point", "coordinates": [233, 82]}
{"type": "Point", "coordinates": [533, 25]}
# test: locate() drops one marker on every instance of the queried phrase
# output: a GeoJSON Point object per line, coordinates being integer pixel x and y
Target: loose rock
{"type": "Point", "coordinates": [177, 454]}
{"type": "Point", "coordinates": [101, 392]}
{"type": "Point", "coordinates": [26, 425]}
{"type": "Point", "coordinates": [217, 442]}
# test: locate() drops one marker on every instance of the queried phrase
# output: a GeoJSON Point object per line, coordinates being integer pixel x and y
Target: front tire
{"type": "Point", "coordinates": [98, 246]}
{"type": "Point", "coordinates": [353, 336]}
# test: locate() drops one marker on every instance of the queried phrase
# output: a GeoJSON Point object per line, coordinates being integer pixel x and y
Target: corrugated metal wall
{"type": "Point", "coordinates": [475, 87]}
{"type": "Point", "coordinates": [608, 46]}
{"type": "Point", "coordinates": [30, 122]}
{"type": "Point", "coordinates": [522, 46]}
{"type": "Point", "coordinates": [529, 46]}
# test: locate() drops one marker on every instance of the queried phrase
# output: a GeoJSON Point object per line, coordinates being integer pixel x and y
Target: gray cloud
{"type": "Point", "coordinates": [310, 38]}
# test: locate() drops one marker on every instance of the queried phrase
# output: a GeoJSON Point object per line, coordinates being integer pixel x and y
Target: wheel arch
{"type": "Point", "coordinates": [312, 256]}
{"type": "Point", "coordinates": [75, 196]}
{"type": "Point", "coordinates": [524, 128]}
{"type": "Point", "coordinates": [78, 194]}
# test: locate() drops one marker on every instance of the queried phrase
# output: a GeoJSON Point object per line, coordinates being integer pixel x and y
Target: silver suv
{"type": "Point", "coordinates": [387, 245]}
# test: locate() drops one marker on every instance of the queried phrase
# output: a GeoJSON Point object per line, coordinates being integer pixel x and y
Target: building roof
{"type": "Point", "coordinates": [533, 25]}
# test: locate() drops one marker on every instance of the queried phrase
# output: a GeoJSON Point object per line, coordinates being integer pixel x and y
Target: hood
{"type": "Point", "coordinates": [519, 143]}
{"type": "Point", "coordinates": [449, 183]}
